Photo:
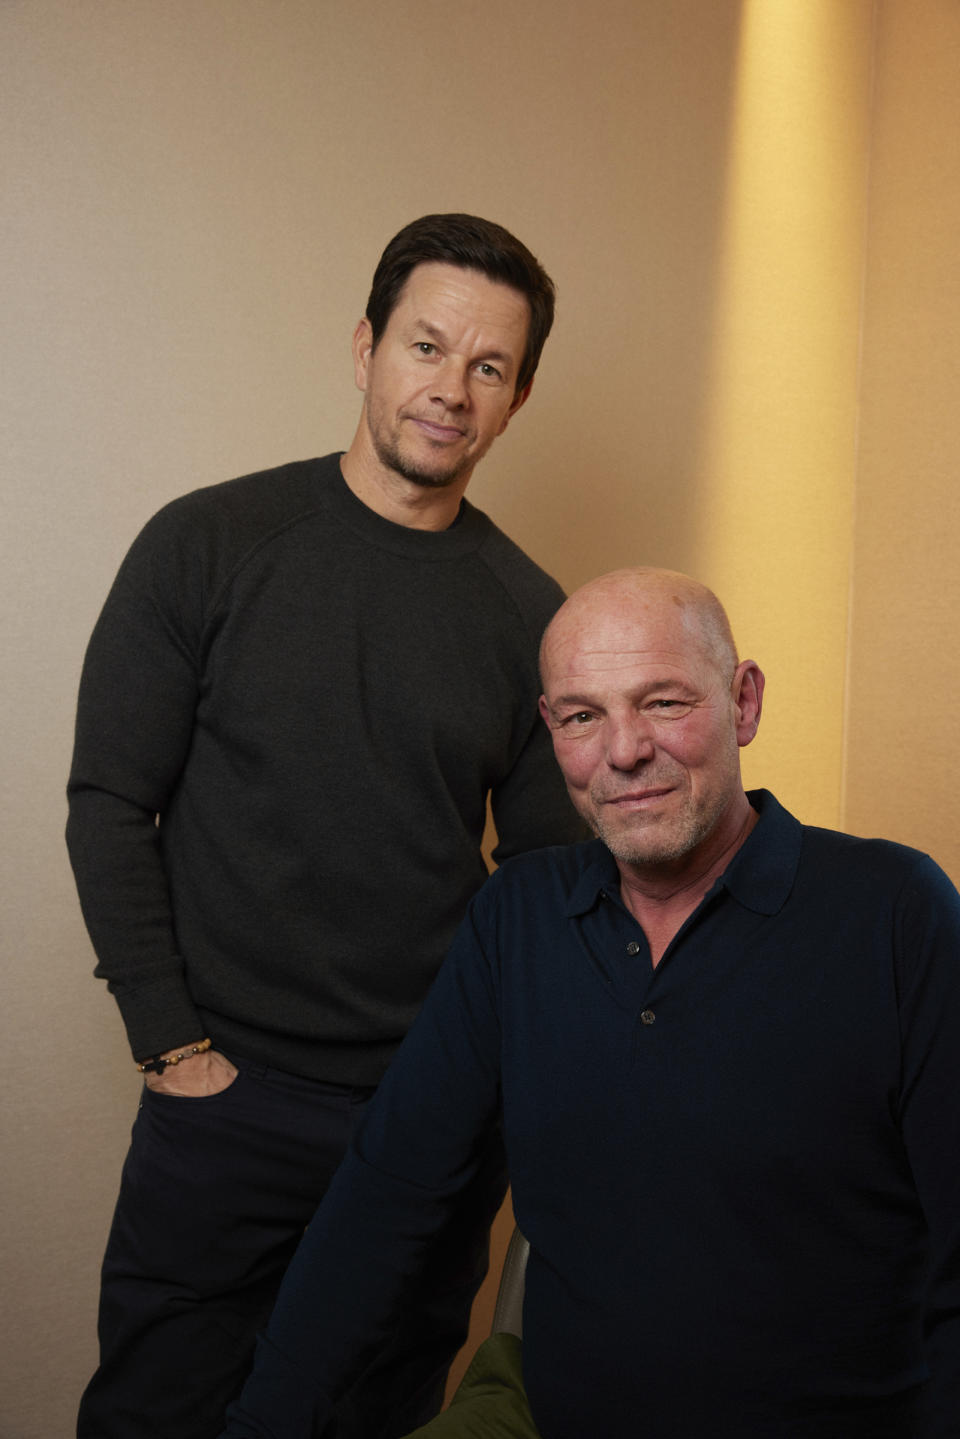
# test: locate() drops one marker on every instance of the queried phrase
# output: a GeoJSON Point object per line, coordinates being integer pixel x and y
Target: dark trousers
{"type": "Point", "coordinates": [214, 1197]}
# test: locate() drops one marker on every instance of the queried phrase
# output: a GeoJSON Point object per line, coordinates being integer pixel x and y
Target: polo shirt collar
{"type": "Point", "coordinates": [598, 872]}
{"type": "Point", "coordinates": [760, 876]}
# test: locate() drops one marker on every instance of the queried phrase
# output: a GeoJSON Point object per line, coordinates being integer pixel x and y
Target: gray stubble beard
{"type": "Point", "coordinates": [389, 455]}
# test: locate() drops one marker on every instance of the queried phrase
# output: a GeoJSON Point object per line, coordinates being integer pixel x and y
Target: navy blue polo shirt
{"type": "Point", "coordinates": [739, 1173]}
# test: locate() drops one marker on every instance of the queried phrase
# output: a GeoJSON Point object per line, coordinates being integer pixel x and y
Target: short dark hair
{"type": "Point", "coordinates": [473, 244]}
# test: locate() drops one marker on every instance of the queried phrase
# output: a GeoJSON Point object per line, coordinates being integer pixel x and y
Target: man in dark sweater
{"type": "Point", "coordinates": [302, 690]}
{"type": "Point", "coordinates": [725, 1051]}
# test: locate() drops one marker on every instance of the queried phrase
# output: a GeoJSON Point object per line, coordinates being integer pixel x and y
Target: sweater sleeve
{"type": "Point", "coordinates": [420, 1143]}
{"type": "Point", "coordinates": [135, 717]}
{"type": "Point", "coordinates": [929, 963]}
{"type": "Point", "coordinates": [531, 808]}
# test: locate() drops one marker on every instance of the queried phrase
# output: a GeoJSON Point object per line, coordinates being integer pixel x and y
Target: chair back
{"type": "Point", "coordinates": [508, 1313]}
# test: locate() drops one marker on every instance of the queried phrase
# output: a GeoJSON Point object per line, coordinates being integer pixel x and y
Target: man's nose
{"type": "Point", "coordinates": [450, 386]}
{"type": "Point", "coordinates": [629, 742]}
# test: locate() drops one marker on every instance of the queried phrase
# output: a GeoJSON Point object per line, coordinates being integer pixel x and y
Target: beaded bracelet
{"type": "Point", "coordinates": [156, 1064]}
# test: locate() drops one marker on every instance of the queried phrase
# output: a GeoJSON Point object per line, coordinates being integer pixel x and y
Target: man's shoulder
{"type": "Point", "coordinates": [868, 866]}
{"type": "Point", "coordinates": [261, 499]}
{"type": "Point", "coordinates": [861, 851]}
{"type": "Point", "coordinates": [211, 531]}
{"type": "Point", "coordinates": [818, 842]}
{"type": "Point", "coordinates": [823, 868]}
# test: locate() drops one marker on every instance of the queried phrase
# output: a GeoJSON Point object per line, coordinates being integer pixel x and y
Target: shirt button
{"type": "Point", "coordinates": [633, 947]}
{"type": "Point", "coordinates": [647, 1016]}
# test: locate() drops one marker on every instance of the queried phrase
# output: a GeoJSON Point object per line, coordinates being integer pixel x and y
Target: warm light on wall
{"type": "Point", "coordinates": [778, 464]}
{"type": "Point", "coordinates": [903, 765]}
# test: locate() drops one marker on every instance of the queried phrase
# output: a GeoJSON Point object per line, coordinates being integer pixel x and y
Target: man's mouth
{"type": "Point", "coordinates": [433, 430]}
{"type": "Point", "coordinates": [637, 798]}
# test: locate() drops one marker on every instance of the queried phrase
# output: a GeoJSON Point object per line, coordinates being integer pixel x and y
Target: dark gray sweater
{"type": "Point", "coordinates": [315, 702]}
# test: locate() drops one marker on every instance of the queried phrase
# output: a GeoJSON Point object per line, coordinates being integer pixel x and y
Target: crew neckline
{"type": "Point", "coordinates": [462, 537]}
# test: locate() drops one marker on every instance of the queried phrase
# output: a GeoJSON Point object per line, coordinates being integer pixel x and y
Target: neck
{"type": "Point", "coordinates": [387, 493]}
{"type": "Point", "coordinates": [661, 897]}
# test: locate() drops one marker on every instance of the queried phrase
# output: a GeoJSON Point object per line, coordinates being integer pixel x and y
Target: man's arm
{"type": "Point", "coordinates": [531, 807]}
{"type": "Point", "coordinates": [929, 977]}
{"type": "Point", "coordinates": [135, 717]}
{"type": "Point", "coordinates": [419, 1145]}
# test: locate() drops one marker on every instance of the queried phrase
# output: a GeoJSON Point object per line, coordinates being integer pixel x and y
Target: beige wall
{"type": "Point", "coordinates": [902, 766]}
{"type": "Point", "coordinates": [777, 476]}
{"type": "Point", "coordinates": [750, 211]}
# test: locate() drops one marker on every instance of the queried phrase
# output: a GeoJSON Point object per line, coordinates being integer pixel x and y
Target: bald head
{"type": "Point", "coordinates": [648, 708]}
{"type": "Point", "coordinates": [626, 602]}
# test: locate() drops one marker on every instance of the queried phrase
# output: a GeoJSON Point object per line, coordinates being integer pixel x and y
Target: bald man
{"type": "Point", "coordinates": [725, 1051]}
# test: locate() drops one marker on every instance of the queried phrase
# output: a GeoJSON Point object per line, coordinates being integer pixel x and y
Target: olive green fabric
{"type": "Point", "coordinates": [490, 1402]}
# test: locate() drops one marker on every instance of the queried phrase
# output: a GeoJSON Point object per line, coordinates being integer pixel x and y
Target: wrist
{"type": "Point", "coordinates": [157, 1063]}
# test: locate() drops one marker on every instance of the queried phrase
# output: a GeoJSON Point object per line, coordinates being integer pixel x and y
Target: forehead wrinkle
{"type": "Point", "coordinates": [622, 672]}
{"type": "Point", "coordinates": [638, 654]}
{"type": "Point", "coordinates": [567, 654]}
{"type": "Point", "coordinates": [464, 293]}
{"type": "Point", "coordinates": [677, 656]}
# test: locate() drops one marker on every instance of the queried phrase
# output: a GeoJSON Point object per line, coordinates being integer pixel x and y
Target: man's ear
{"type": "Point", "coordinates": [747, 693]}
{"type": "Point", "coordinates": [519, 399]}
{"type": "Point", "coordinates": [362, 350]}
{"type": "Point", "coordinates": [544, 711]}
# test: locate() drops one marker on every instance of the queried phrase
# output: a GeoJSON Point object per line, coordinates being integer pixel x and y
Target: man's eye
{"type": "Point", "coordinates": [425, 347]}
{"type": "Point", "coordinates": [581, 717]}
{"type": "Point", "coordinates": [490, 372]}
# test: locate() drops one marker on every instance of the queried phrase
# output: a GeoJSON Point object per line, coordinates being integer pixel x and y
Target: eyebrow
{"type": "Point", "coordinates": [580, 699]}
{"type": "Point", "coordinates": [428, 329]}
{"type": "Point", "coordinates": [562, 701]}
